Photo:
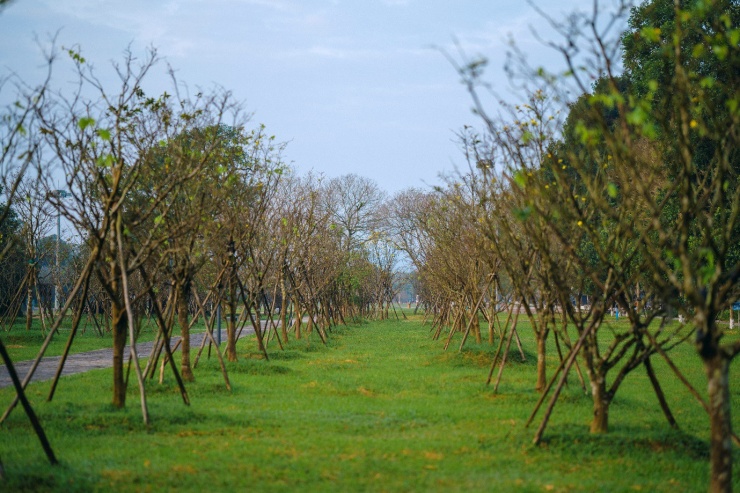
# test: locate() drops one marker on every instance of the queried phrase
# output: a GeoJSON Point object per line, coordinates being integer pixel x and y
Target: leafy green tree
{"type": "Point", "coordinates": [102, 143]}
{"type": "Point", "coordinates": [694, 255]}
{"type": "Point", "coordinates": [197, 161]}
{"type": "Point", "coordinates": [667, 176]}
{"type": "Point", "coordinates": [642, 192]}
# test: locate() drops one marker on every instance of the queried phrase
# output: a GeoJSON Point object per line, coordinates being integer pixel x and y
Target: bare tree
{"type": "Point", "coordinates": [35, 213]}
{"type": "Point", "coordinates": [353, 202]}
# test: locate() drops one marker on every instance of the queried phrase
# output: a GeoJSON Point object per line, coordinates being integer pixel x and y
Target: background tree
{"type": "Point", "coordinates": [13, 261]}
{"type": "Point", "coordinates": [36, 215]}
{"type": "Point", "coordinates": [353, 202]}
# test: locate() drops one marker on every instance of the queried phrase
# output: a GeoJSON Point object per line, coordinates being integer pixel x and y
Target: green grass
{"type": "Point", "coordinates": [382, 408]}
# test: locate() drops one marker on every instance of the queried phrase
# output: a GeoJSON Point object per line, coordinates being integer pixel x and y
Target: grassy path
{"type": "Point", "coordinates": [382, 408]}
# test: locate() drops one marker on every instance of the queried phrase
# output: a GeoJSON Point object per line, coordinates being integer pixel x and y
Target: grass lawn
{"type": "Point", "coordinates": [381, 408]}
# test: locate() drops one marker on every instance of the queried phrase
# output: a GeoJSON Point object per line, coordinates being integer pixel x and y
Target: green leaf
{"type": "Point", "coordinates": [586, 135]}
{"type": "Point", "coordinates": [651, 33]}
{"type": "Point", "coordinates": [606, 99]}
{"type": "Point", "coordinates": [734, 37]}
{"type": "Point", "coordinates": [707, 82]}
{"type": "Point", "coordinates": [105, 161]}
{"type": "Point", "coordinates": [726, 20]}
{"type": "Point", "coordinates": [637, 116]}
{"type": "Point", "coordinates": [650, 131]}
{"type": "Point", "coordinates": [720, 51]}
{"type": "Point", "coordinates": [75, 55]}
{"type": "Point", "coordinates": [732, 105]}
{"type": "Point", "coordinates": [103, 134]}
{"type": "Point", "coordinates": [706, 271]}
{"type": "Point", "coordinates": [85, 122]}
{"type": "Point", "coordinates": [612, 190]}
{"type": "Point", "coordinates": [520, 179]}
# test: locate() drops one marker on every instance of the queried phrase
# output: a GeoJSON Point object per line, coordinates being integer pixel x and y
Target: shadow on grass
{"type": "Point", "coordinates": [256, 367]}
{"type": "Point", "coordinates": [286, 355]}
{"type": "Point", "coordinates": [571, 441]}
{"type": "Point", "coordinates": [482, 356]}
{"type": "Point", "coordinates": [41, 477]}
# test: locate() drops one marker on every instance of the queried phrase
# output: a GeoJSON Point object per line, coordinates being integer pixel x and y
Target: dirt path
{"type": "Point", "coordinates": [91, 360]}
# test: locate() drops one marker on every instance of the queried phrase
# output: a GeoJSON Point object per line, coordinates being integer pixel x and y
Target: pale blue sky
{"type": "Point", "coordinates": [355, 86]}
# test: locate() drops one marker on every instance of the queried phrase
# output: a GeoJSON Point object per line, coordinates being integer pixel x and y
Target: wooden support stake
{"type": "Point", "coordinates": [85, 273]}
{"type": "Point", "coordinates": [475, 311]}
{"type": "Point", "coordinates": [21, 394]}
{"type": "Point", "coordinates": [659, 394]}
{"type": "Point", "coordinates": [503, 331]}
{"type": "Point", "coordinates": [506, 351]}
{"type": "Point", "coordinates": [573, 353]}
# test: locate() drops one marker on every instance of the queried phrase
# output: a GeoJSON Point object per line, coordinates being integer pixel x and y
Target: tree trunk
{"type": "Point", "coordinates": [231, 328]}
{"type": "Point", "coordinates": [29, 302]}
{"type": "Point", "coordinates": [541, 361]}
{"type": "Point", "coordinates": [476, 326]}
{"type": "Point", "coordinates": [182, 318]}
{"type": "Point", "coordinates": [600, 423]}
{"type": "Point", "coordinates": [231, 335]}
{"type": "Point", "coordinates": [720, 458]}
{"type": "Point", "coordinates": [298, 320]}
{"type": "Point", "coordinates": [284, 312]}
{"type": "Point", "coordinates": [491, 322]}
{"type": "Point", "coordinates": [119, 322]}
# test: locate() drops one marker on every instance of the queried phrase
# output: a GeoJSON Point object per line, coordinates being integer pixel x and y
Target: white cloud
{"type": "Point", "coordinates": [278, 5]}
{"type": "Point", "coordinates": [178, 27]}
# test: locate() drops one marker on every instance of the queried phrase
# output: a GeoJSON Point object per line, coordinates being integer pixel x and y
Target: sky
{"type": "Point", "coordinates": [353, 86]}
